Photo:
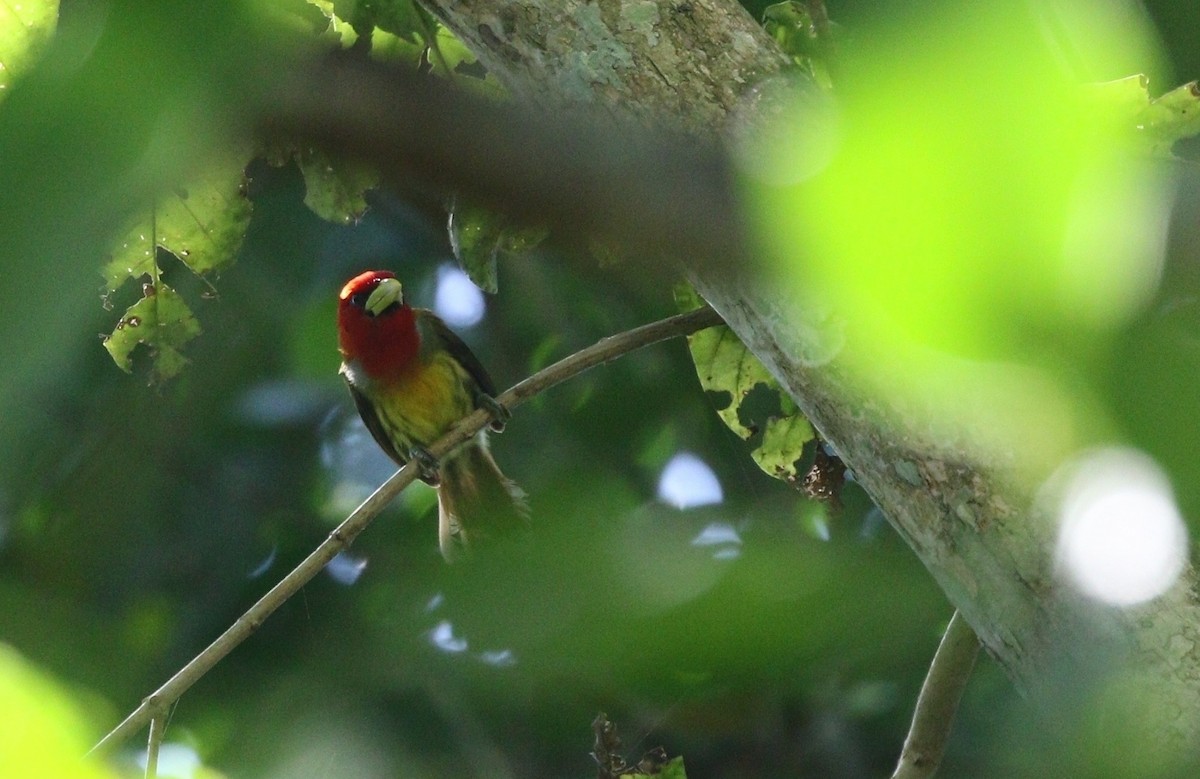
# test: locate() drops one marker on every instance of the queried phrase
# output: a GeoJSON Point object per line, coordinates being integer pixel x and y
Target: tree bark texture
{"type": "Point", "coordinates": [695, 64]}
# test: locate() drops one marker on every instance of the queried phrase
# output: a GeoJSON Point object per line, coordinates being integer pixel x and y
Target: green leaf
{"type": "Point", "coordinates": [725, 365]}
{"type": "Point", "coordinates": [401, 18]}
{"type": "Point", "coordinates": [1171, 117]}
{"type": "Point", "coordinates": [792, 26]}
{"type": "Point", "coordinates": [202, 225]}
{"type": "Point", "coordinates": [728, 369]}
{"type": "Point", "coordinates": [448, 52]}
{"type": "Point", "coordinates": [1156, 124]}
{"type": "Point", "coordinates": [397, 30]}
{"type": "Point", "coordinates": [479, 236]}
{"type": "Point", "coordinates": [387, 47]}
{"type": "Point", "coordinates": [338, 29]}
{"type": "Point", "coordinates": [162, 322]}
{"type": "Point", "coordinates": [783, 446]}
{"type": "Point", "coordinates": [335, 189]}
{"type": "Point", "coordinates": [24, 29]}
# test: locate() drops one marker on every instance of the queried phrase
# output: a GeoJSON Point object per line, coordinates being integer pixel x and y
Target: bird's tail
{"type": "Point", "coordinates": [475, 500]}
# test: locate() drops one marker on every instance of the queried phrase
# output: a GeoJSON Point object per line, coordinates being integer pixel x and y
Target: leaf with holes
{"type": "Point", "coordinates": [162, 322]}
{"type": "Point", "coordinates": [202, 224]}
{"type": "Point", "coordinates": [730, 371]}
{"type": "Point", "coordinates": [782, 447]}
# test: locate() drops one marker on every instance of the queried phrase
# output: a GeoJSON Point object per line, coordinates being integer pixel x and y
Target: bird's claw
{"type": "Point", "coordinates": [430, 470]}
{"type": "Point", "coordinates": [499, 411]}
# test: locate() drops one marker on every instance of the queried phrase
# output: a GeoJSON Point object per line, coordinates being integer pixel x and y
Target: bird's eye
{"type": "Point", "coordinates": [359, 299]}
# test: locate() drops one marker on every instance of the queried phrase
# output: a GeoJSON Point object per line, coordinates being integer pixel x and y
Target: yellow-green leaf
{"type": "Point", "coordinates": [1171, 117]}
{"type": "Point", "coordinates": [162, 322]}
{"type": "Point", "coordinates": [730, 371]}
{"type": "Point", "coordinates": [448, 52]}
{"type": "Point", "coordinates": [335, 189]}
{"type": "Point", "coordinates": [202, 224]}
{"type": "Point", "coordinates": [24, 29]}
{"type": "Point", "coordinates": [783, 445]}
{"type": "Point", "coordinates": [724, 364]}
{"type": "Point", "coordinates": [1155, 124]}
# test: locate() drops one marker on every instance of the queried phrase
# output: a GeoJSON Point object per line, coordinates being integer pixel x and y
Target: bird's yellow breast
{"type": "Point", "coordinates": [422, 404]}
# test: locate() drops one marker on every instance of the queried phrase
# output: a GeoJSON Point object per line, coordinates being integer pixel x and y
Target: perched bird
{"type": "Point", "coordinates": [412, 379]}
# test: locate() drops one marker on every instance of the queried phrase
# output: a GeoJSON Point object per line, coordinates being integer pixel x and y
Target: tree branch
{"type": "Point", "coordinates": [936, 706]}
{"type": "Point", "coordinates": [584, 173]}
{"type": "Point", "coordinates": [154, 706]}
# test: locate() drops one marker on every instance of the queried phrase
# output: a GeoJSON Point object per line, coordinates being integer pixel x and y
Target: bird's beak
{"type": "Point", "coordinates": [387, 292]}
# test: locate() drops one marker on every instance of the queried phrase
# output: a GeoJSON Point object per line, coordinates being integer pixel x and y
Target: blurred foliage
{"type": "Point", "coordinates": [991, 223]}
{"type": "Point", "coordinates": [44, 732]}
{"type": "Point", "coordinates": [136, 522]}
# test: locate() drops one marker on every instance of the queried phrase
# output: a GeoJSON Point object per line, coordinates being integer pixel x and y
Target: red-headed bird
{"type": "Point", "coordinates": [412, 379]}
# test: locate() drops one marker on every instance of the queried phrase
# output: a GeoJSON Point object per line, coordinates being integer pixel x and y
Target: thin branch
{"type": "Point", "coordinates": [343, 536]}
{"type": "Point", "coordinates": [158, 728]}
{"type": "Point", "coordinates": [938, 701]}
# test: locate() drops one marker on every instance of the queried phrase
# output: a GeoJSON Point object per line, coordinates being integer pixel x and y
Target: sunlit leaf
{"type": "Point", "coordinates": [448, 52]}
{"type": "Point", "coordinates": [24, 29]}
{"type": "Point", "coordinates": [393, 48]}
{"type": "Point", "coordinates": [1154, 124]}
{"type": "Point", "coordinates": [398, 30]}
{"type": "Point", "coordinates": [782, 446]}
{"type": "Point", "coordinates": [202, 224]}
{"type": "Point", "coordinates": [337, 28]}
{"type": "Point", "coordinates": [1171, 117]}
{"type": "Point", "coordinates": [335, 189]}
{"type": "Point", "coordinates": [404, 19]}
{"type": "Point", "coordinates": [163, 323]}
{"type": "Point", "coordinates": [727, 369]}
{"type": "Point", "coordinates": [479, 236]}
{"type": "Point", "coordinates": [43, 733]}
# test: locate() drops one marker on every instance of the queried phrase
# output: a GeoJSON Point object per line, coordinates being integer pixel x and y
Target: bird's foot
{"type": "Point", "coordinates": [430, 470]}
{"type": "Point", "coordinates": [499, 411]}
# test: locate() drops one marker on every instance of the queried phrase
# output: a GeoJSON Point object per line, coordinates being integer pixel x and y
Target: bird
{"type": "Point", "coordinates": [412, 379]}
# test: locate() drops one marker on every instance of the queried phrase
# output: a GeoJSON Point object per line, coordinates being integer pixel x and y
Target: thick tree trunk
{"type": "Point", "coordinates": [694, 62]}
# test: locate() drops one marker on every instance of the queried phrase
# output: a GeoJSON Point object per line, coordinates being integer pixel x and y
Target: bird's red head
{"type": "Point", "coordinates": [376, 329]}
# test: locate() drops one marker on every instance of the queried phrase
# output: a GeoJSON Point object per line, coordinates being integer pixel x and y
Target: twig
{"type": "Point", "coordinates": [158, 728]}
{"type": "Point", "coordinates": [938, 701]}
{"type": "Point", "coordinates": [343, 536]}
